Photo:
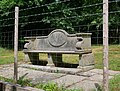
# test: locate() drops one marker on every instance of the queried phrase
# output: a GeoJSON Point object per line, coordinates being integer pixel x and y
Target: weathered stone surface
{"type": "Point", "coordinates": [4, 86]}
{"type": "Point", "coordinates": [86, 85]}
{"type": "Point", "coordinates": [86, 74]}
{"type": "Point", "coordinates": [38, 76]}
{"type": "Point", "coordinates": [86, 60]}
{"type": "Point", "coordinates": [7, 72]}
{"type": "Point", "coordinates": [86, 80]}
{"type": "Point", "coordinates": [111, 72]}
{"type": "Point", "coordinates": [86, 68]}
{"type": "Point", "coordinates": [68, 80]}
{"type": "Point", "coordinates": [33, 75]}
{"type": "Point", "coordinates": [100, 71]}
{"type": "Point", "coordinates": [53, 69]}
{"type": "Point", "coordinates": [57, 38]}
{"type": "Point", "coordinates": [98, 78]}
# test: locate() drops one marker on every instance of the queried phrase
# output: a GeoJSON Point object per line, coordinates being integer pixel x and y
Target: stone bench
{"type": "Point", "coordinates": [59, 42]}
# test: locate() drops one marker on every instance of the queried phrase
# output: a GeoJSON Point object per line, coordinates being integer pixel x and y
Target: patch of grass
{"type": "Point", "coordinates": [114, 83]}
{"type": "Point", "coordinates": [71, 58]}
{"type": "Point", "coordinates": [7, 56]}
{"type": "Point", "coordinates": [43, 56]}
{"type": "Point", "coordinates": [114, 57]}
{"type": "Point", "coordinates": [68, 58]}
{"type": "Point", "coordinates": [21, 81]}
{"type": "Point", "coordinates": [6, 79]}
{"type": "Point", "coordinates": [54, 87]}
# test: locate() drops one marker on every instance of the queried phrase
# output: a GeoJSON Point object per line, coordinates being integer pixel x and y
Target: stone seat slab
{"type": "Point", "coordinates": [63, 52]}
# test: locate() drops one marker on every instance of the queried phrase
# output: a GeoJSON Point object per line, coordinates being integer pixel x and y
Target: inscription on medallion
{"type": "Point", "coordinates": [57, 38]}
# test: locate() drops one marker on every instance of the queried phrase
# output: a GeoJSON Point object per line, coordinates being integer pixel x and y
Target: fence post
{"type": "Point", "coordinates": [16, 45]}
{"type": "Point", "coordinates": [105, 46]}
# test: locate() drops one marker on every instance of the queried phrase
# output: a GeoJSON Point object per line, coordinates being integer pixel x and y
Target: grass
{"type": "Point", "coordinates": [114, 57]}
{"type": "Point", "coordinates": [7, 56]}
{"type": "Point", "coordinates": [54, 87]}
{"type": "Point", "coordinates": [50, 86]}
{"type": "Point", "coordinates": [114, 84]}
{"type": "Point", "coordinates": [6, 79]}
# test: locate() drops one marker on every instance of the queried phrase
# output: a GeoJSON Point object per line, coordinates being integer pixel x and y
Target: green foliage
{"type": "Point", "coordinates": [22, 40]}
{"type": "Point", "coordinates": [54, 87]}
{"type": "Point", "coordinates": [23, 81]}
{"type": "Point", "coordinates": [62, 18]}
{"type": "Point", "coordinates": [60, 15]}
{"type": "Point", "coordinates": [45, 86]}
{"type": "Point", "coordinates": [8, 5]}
{"type": "Point", "coordinates": [5, 79]}
{"type": "Point", "coordinates": [114, 83]}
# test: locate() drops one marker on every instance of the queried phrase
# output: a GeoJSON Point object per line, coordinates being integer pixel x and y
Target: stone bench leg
{"type": "Point", "coordinates": [54, 59]}
{"type": "Point", "coordinates": [33, 57]}
{"type": "Point", "coordinates": [50, 60]}
{"type": "Point", "coordinates": [86, 61]}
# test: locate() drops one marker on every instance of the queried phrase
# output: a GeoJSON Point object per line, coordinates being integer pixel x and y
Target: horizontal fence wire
{"type": "Point", "coordinates": [87, 6]}
{"type": "Point", "coordinates": [97, 14]}
{"type": "Point", "coordinates": [9, 25]}
{"type": "Point", "coordinates": [44, 5]}
{"type": "Point", "coordinates": [7, 19]}
{"type": "Point", "coordinates": [111, 12]}
{"type": "Point", "coordinates": [113, 1]}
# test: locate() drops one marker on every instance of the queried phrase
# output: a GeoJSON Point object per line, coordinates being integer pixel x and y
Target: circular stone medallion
{"type": "Point", "coordinates": [57, 38]}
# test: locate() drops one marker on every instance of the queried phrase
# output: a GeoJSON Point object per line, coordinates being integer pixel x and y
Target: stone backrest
{"type": "Point", "coordinates": [60, 40]}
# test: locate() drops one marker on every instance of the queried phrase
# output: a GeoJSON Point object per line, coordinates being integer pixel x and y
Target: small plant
{"type": "Point", "coordinates": [48, 87]}
{"type": "Point", "coordinates": [24, 82]}
{"type": "Point", "coordinates": [51, 86]}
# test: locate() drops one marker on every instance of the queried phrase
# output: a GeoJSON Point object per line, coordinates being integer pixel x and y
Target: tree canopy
{"type": "Point", "coordinates": [65, 14]}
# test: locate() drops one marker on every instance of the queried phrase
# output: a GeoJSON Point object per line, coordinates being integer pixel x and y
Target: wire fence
{"type": "Point", "coordinates": [41, 20]}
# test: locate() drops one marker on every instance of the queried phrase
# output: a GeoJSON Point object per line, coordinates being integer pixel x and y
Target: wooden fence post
{"type": "Point", "coordinates": [105, 46]}
{"type": "Point", "coordinates": [16, 45]}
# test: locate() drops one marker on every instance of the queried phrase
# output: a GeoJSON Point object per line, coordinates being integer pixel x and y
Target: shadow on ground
{"type": "Point", "coordinates": [57, 64]}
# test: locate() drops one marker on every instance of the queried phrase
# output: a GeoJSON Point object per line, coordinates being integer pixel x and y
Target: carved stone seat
{"type": "Point", "coordinates": [59, 42]}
